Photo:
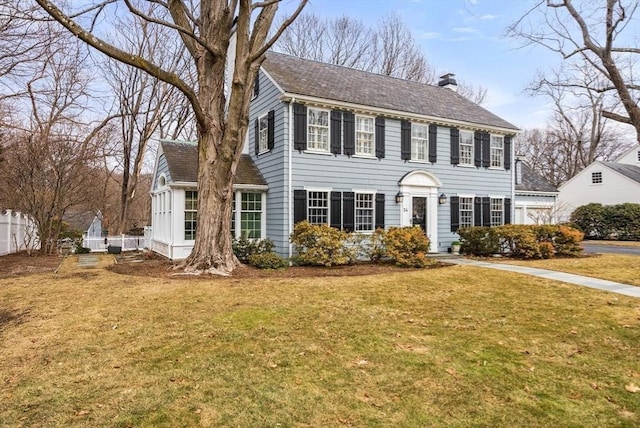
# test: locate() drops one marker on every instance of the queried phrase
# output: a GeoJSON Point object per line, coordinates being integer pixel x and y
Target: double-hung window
{"type": "Point", "coordinates": [497, 151]}
{"type": "Point", "coordinates": [419, 142]}
{"type": "Point", "coordinates": [364, 215]}
{"type": "Point", "coordinates": [251, 215]}
{"type": "Point", "coordinates": [496, 211]}
{"type": "Point", "coordinates": [263, 127]}
{"type": "Point", "coordinates": [466, 148]}
{"type": "Point", "coordinates": [190, 214]}
{"type": "Point", "coordinates": [318, 207]}
{"type": "Point", "coordinates": [318, 130]}
{"type": "Point", "coordinates": [365, 128]}
{"type": "Point", "coordinates": [466, 212]}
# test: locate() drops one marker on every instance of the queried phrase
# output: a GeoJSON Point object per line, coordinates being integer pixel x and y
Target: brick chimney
{"type": "Point", "coordinates": [447, 81]}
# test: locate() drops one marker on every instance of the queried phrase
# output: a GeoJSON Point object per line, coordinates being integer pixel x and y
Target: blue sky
{"type": "Point", "coordinates": [466, 37]}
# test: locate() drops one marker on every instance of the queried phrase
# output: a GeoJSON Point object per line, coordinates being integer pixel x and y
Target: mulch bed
{"type": "Point", "coordinates": [23, 264]}
{"type": "Point", "coordinates": [153, 265]}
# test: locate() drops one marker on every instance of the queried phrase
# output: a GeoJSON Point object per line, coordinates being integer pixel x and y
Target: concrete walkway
{"type": "Point", "coordinates": [585, 281]}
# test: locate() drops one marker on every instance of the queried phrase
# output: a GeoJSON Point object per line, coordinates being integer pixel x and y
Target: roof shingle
{"type": "Point", "coordinates": [182, 160]}
{"type": "Point", "coordinates": [629, 171]}
{"type": "Point", "coordinates": [531, 181]}
{"type": "Point", "coordinates": [331, 82]}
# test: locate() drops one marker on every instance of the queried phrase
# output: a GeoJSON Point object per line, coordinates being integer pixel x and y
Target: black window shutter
{"type": "Point", "coordinates": [256, 138]}
{"type": "Point", "coordinates": [507, 152]}
{"type": "Point", "coordinates": [477, 211]}
{"type": "Point", "coordinates": [455, 146]}
{"type": "Point", "coordinates": [299, 126]}
{"type": "Point", "coordinates": [336, 210]}
{"type": "Point", "coordinates": [299, 206]}
{"type": "Point", "coordinates": [380, 137]}
{"type": "Point", "coordinates": [348, 211]}
{"type": "Point", "coordinates": [348, 121]}
{"type": "Point", "coordinates": [486, 150]}
{"type": "Point", "coordinates": [477, 149]}
{"type": "Point", "coordinates": [336, 132]}
{"type": "Point", "coordinates": [455, 213]}
{"type": "Point", "coordinates": [486, 211]}
{"type": "Point", "coordinates": [433, 143]}
{"type": "Point", "coordinates": [405, 140]}
{"type": "Point", "coordinates": [271, 118]}
{"type": "Point", "coordinates": [379, 210]}
{"type": "Point", "coordinates": [507, 211]}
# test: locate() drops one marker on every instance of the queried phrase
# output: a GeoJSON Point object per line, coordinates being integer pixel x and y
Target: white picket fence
{"type": "Point", "coordinates": [125, 242]}
{"type": "Point", "coordinates": [17, 232]}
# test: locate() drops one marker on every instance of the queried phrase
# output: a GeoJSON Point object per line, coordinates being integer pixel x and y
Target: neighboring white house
{"type": "Point", "coordinates": [608, 183]}
{"type": "Point", "coordinates": [535, 197]}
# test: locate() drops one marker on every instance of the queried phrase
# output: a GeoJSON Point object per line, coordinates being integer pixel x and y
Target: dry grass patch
{"type": "Point", "coordinates": [621, 268]}
{"type": "Point", "coordinates": [459, 346]}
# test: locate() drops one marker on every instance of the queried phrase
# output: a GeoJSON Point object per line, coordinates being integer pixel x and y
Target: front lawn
{"type": "Point", "coordinates": [613, 267]}
{"type": "Point", "coordinates": [457, 346]}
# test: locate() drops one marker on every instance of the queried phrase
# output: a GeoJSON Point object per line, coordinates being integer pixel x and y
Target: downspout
{"type": "Point", "coordinates": [290, 177]}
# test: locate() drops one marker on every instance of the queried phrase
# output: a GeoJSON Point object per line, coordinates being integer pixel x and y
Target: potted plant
{"type": "Point", "coordinates": [455, 247]}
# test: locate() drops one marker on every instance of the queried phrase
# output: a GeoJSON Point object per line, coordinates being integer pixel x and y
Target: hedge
{"type": "Point", "coordinates": [522, 241]}
{"type": "Point", "coordinates": [597, 221]}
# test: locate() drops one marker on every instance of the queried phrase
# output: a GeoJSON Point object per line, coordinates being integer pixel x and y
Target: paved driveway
{"type": "Point", "coordinates": [612, 249]}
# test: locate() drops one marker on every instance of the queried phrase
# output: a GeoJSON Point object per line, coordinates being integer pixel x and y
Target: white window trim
{"type": "Point", "coordinates": [373, 211]}
{"type": "Point", "coordinates": [262, 150]}
{"type": "Point", "coordinates": [319, 151]}
{"type": "Point", "coordinates": [502, 198]}
{"type": "Point", "coordinates": [237, 233]}
{"type": "Point", "coordinates": [320, 189]}
{"type": "Point", "coordinates": [472, 197]}
{"type": "Point", "coordinates": [501, 167]}
{"type": "Point", "coordinates": [373, 135]}
{"type": "Point", "coordinates": [162, 177]}
{"type": "Point", "coordinates": [471, 163]}
{"type": "Point", "coordinates": [426, 159]}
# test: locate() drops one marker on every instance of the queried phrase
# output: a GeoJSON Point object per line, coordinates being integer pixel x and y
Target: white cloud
{"type": "Point", "coordinates": [429, 35]}
{"type": "Point", "coordinates": [488, 17]}
{"type": "Point", "coordinates": [464, 30]}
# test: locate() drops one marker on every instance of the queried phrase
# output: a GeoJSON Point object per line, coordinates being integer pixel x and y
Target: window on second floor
{"type": "Point", "coordinates": [317, 130]}
{"type": "Point", "coordinates": [496, 151]}
{"type": "Point", "coordinates": [419, 142]}
{"type": "Point", "coordinates": [365, 143]}
{"type": "Point", "coordinates": [596, 177]}
{"type": "Point", "coordinates": [263, 134]}
{"type": "Point", "coordinates": [466, 148]}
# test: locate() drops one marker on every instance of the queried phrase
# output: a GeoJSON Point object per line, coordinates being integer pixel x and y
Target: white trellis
{"type": "Point", "coordinates": [17, 232]}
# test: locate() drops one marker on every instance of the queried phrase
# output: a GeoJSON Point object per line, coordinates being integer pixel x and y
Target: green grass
{"type": "Point", "coordinates": [457, 346]}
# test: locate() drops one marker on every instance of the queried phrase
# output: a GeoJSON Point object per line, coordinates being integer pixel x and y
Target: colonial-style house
{"type": "Point", "coordinates": [351, 149]}
{"type": "Point", "coordinates": [608, 183]}
{"type": "Point", "coordinates": [535, 200]}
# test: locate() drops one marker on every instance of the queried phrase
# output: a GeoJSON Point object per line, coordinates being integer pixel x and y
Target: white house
{"type": "Point", "coordinates": [608, 183]}
{"type": "Point", "coordinates": [535, 197]}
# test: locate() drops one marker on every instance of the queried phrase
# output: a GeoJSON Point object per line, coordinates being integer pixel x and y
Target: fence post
{"type": "Point", "coordinates": [122, 244]}
{"type": "Point", "coordinates": [18, 230]}
{"type": "Point", "coordinates": [8, 231]}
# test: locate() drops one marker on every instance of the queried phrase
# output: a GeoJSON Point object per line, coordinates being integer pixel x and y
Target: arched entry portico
{"type": "Point", "coordinates": [420, 203]}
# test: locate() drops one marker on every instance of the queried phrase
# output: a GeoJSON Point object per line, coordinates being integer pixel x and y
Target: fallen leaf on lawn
{"type": "Point", "coordinates": [632, 388]}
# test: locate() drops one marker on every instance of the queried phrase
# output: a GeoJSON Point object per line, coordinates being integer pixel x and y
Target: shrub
{"type": "Point", "coordinates": [321, 245]}
{"type": "Point", "coordinates": [518, 241]}
{"type": "Point", "coordinates": [407, 246]}
{"type": "Point", "coordinates": [268, 260]}
{"type": "Point", "coordinates": [244, 247]}
{"type": "Point", "coordinates": [479, 241]}
{"type": "Point", "coordinates": [590, 219]}
{"type": "Point", "coordinates": [567, 241]}
{"type": "Point", "coordinates": [79, 249]}
{"type": "Point", "coordinates": [373, 246]}
{"type": "Point", "coordinates": [623, 221]}
{"type": "Point", "coordinates": [546, 249]}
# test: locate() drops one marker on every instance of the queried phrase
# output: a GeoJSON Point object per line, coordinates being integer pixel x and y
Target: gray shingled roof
{"type": "Point", "coordinates": [182, 160]}
{"type": "Point", "coordinates": [629, 171]}
{"type": "Point", "coordinates": [531, 181]}
{"type": "Point", "coordinates": [332, 82]}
